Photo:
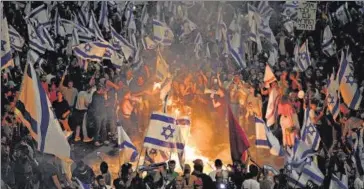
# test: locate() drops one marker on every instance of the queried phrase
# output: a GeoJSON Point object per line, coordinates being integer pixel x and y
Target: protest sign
{"type": "Point", "coordinates": [306, 16]}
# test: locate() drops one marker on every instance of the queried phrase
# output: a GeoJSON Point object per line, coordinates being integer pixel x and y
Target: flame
{"type": "Point", "coordinates": [157, 85]}
{"type": "Point", "coordinates": [191, 154]}
{"type": "Point", "coordinates": [177, 112]}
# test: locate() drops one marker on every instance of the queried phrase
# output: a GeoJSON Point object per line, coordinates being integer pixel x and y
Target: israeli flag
{"type": "Point", "coordinates": [309, 133]}
{"type": "Point", "coordinates": [94, 27]}
{"type": "Point", "coordinates": [342, 14]}
{"type": "Point", "coordinates": [312, 172]}
{"type": "Point", "coordinates": [6, 54]}
{"type": "Point", "coordinates": [236, 48]}
{"type": "Point", "coordinates": [328, 43]}
{"type": "Point", "coordinates": [166, 133]}
{"type": "Point", "coordinates": [120, 43]}
{"type": "Point", "coordinates": [162, 33]}
{"type": "Point", "coordinates": [83, 15]}
{"type": "Point", "coordinates": [103, 19]}
{"type": "Point", "coordinates": [125, 144]}
{"type": "Point", "coordinates": [294, 179]}
{"type": "Point", "coordinates": [300, 154]}
{"type": "Point", "coordinates": [34, 58]}
{"type": "Point", "coordinates": [16, 40]}
{"type": "Point", "coordinates": [336, 183]}
{"type": "Point", "coordinates": [39, 14]}
{"type": "Point", "coordinates": [36, 113]}
{"type": "Point", "coordinates": [349, 89]}
{"type": "Point", "coordinates": [46, 38]}
{"type": "Point", "coordinates": [35, 41]}
{"type": "Point", "coordinates": [332, 96]}
{"type": "Point", "coordinates": [130, 18]}
{"type": "Point", "coordinates": [269, 140]}
{"type": "Point", "coordinates": [82, 185]}
{"type": "Point", "coordinates": [198, 45]}
{"type": "Point", "coordinates": [303, 57]}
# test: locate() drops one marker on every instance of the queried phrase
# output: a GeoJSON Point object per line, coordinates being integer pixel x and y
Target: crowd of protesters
{"type": "Point", "coordinates": [90, 104]}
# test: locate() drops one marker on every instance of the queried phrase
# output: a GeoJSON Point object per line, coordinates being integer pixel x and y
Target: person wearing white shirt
{"type": "Point", "coordinates": [252, 182]}
{"type": "Point", "coordinates": [83, 100]}
{"type": "Point", "coordinates": [218, 165]}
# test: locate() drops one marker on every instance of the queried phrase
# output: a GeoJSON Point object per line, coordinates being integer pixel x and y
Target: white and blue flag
{"type": "Point", "coordinates": [332, 96]}
{"type": "Point", "coordinates": [83, 15]}
{"type": "Point", "coordinates": [103, 18]}
{"type": "Point", "coordinates": [309, 133]}
{"type": "Point", "coordinates": [301, 152]}
{"type": "Point", "coordinates": [266, 139]}
{"type": "Point", "coordinates": [39, 14]}
{"type": "Point", "coordinates": [46, 38]}
{"type": "Point", "coordinates": [349, 88]}
{"type": "Point", "coordinates": [303, 57]}
{"type": "Point", "coordinates": [82, 185]}
{"type": "Point", "coordinates": [94, 27]}
{"type": "Point", "coordinates": [130, 18]}
{"type": "Point", "coordinates": [336, 183]}
{"type": "Point", "coordinates": [162, 34]}
{"type": "Point", "coordinates": [6, 54]}
{"type": "Point", "coordinates": [35, 111]}
{"type": "Point", "coordinates": [312, 172]}
{"type": "Point", "coordinates": [328, 43]}
{"type": "Point", "coordinates": [34, 58]}
{"type": "Point", "coordinates": [166, 133]}
{"type": "Point", "coordinates": [120, 43]}
{"type": "Point", "coordinates": [35, 41]}
{"type": "Point", "coordinates": [125, 144]}
{"type": "Point", "coordinates": [236, 47]}
{"type": "Point", "coordinates": [16, 40]}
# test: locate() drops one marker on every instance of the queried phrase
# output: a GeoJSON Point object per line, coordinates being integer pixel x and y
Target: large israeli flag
{"type": "Point", "coordinates": [126, 145]}
{"type": "Point", "coordinates": [36, 42]}
{"type": "Point", "coordinates": [336, 183]}
{"type": "Point", "coordinates": [6, 56]}
{"type": "Point", "coordinates": [162, 33]}
{"type": "Point", "coordinates": [348, 87]}
{"type": "Point", "coordinates": [93, 51]}
{"type": "Point", "coordinates": [266, 139]}
{"type": "Point", "coordinates": [16, 40]}
{"type": "Point", "coordinates": [35, 111]}
{"type": "Point", "coordinates": [165, 133]}
{"type": "Point", "coordinates": [303, 57]}
{"type": "Point", "coordinates": [332, 96]}
{"type": "Point", "coordinates": [309, 133]}
{"type": "Point", "coordinates": [39, 14]}
{"type": "Point", "coordinates": [120, 43]}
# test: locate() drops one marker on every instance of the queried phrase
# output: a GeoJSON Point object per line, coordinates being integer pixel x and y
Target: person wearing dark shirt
{"type": "Point", "coordinates": [97, 110]}
{"type": "Point", "coordinates": [62, 111]}
{"type": "Point", "coordinates": [84, 173]}
{"type": "Point", "coordinates": [49, 176]}
{"type": "Point", "coordinates": [207, 182]}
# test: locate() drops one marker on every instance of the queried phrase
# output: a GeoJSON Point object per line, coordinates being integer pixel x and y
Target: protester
{"type": "Point", "coordinates": [216, 61]}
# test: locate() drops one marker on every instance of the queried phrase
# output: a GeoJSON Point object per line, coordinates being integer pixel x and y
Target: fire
{"type": "Point", "coordinates": [157, 86]}
{"type": "Point", "coordinates": [191, 154]}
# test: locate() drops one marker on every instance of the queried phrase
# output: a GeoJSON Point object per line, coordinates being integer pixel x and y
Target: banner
{"type": "Point", "coordinates": [306, 17]}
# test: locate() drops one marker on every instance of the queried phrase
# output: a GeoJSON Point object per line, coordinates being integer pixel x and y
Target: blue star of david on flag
{"type": "Point", "coordinates": [168, 132]}
{"type": "Point", "coordinates": [12, 39]}
{"type": "Point", "coordinates": [88, 47]}
{"type": "Point", "coordinates": [288, 169]}
{"type": "Point", "coordinates": [330, 99]}
{"type": "Point", "coordinates": [3, 45]}
{"type": "Point", "coordinates": [115, 43]}
{"type": "Point", "coordinates": [350, 79]}
{"type": "Point", "coordinates": [311, 129]}
{"type": "Point", "coordinates": [33, 35]}
{"type": "Point", "coordinates": [107, 53]}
